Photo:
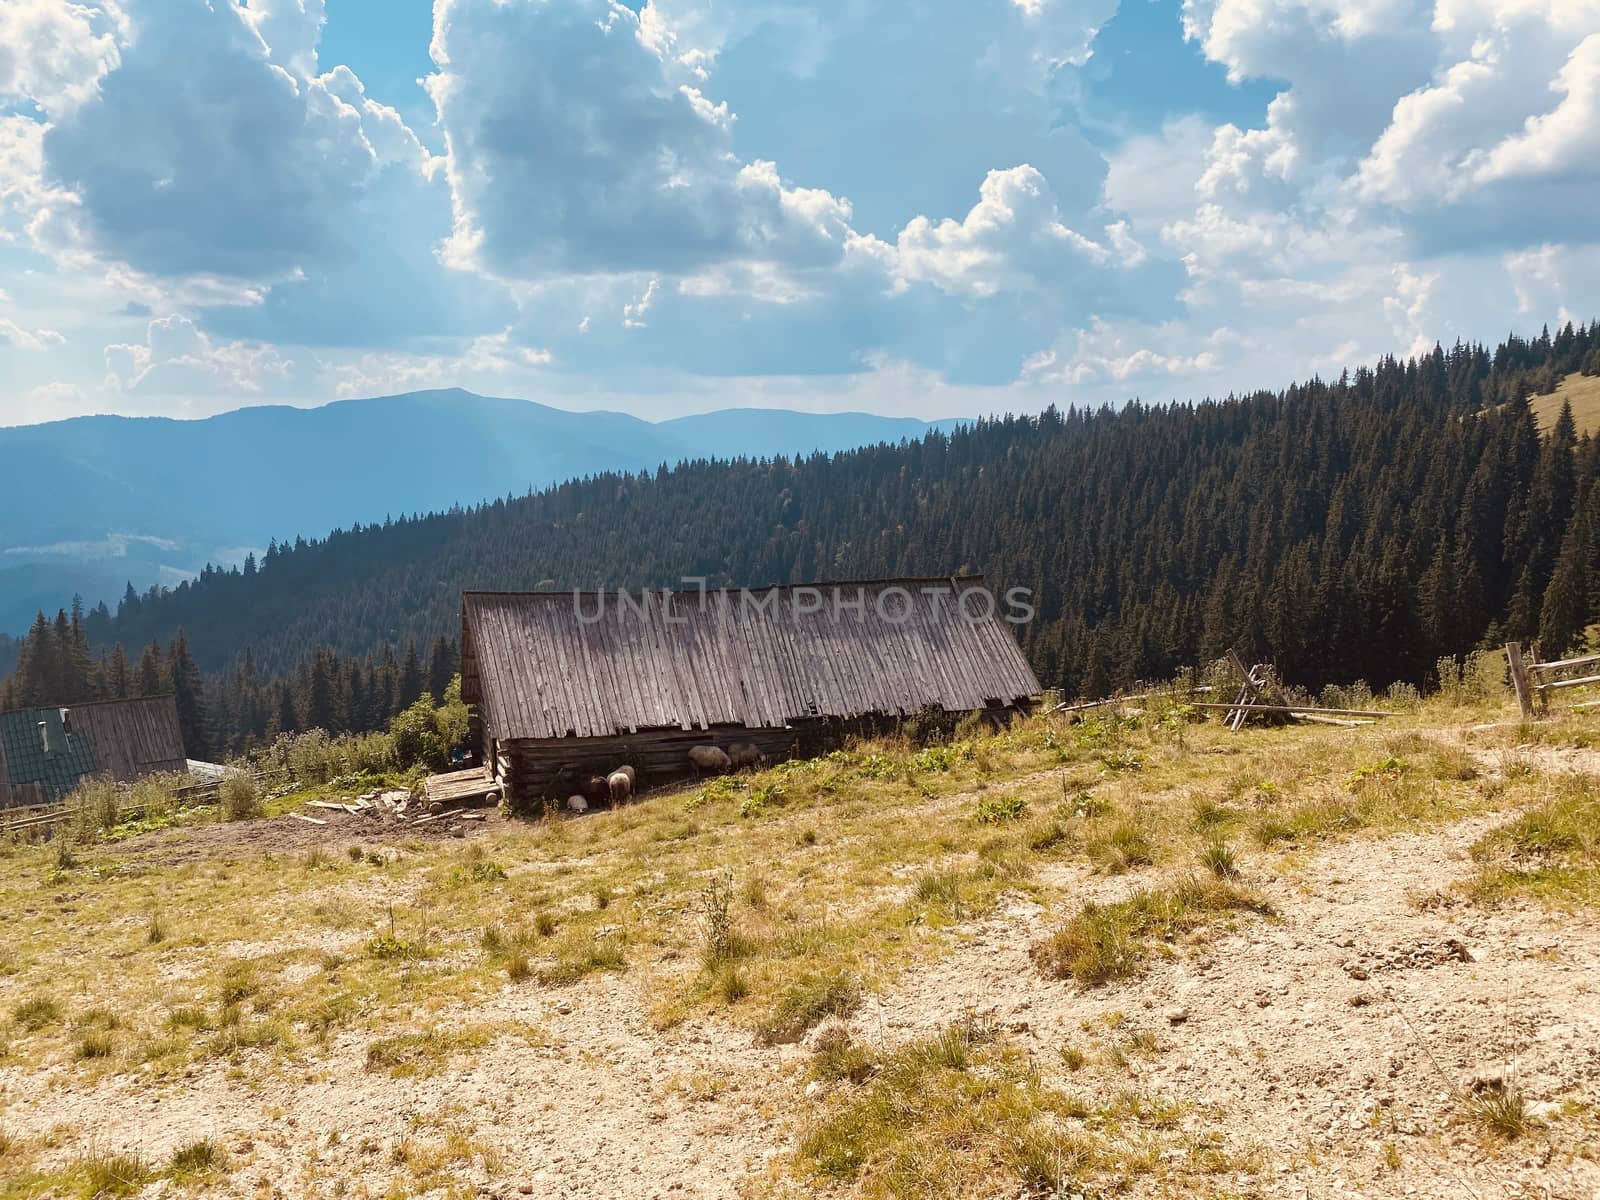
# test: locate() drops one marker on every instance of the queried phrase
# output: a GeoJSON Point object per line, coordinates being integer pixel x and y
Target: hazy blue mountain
{"type": "Point", "coordinates": [89, 504]}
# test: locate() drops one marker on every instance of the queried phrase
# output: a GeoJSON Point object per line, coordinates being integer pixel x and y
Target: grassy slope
{"type": "Point", "coordinates": [1583, 392]}
{"type": "Point", "coordinates": [835, 877]}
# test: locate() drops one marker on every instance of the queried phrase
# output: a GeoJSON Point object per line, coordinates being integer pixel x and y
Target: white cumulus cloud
{"type": "Point", "coordinates": [177, 357]}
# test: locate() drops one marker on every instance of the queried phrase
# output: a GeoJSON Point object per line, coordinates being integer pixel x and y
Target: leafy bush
{"type": "Point", "coordinates": [238, 799]}
{"type": "Point", "coordinates": [760, 799]}
{"type": "Point", "coordinates": [416, 737]}
{"type": "Point", "coordinates": [424, 734]}
{"type": "Point", "coordinates": [996, 810]}
{"type": "Point", "coordinates": [317, 757]}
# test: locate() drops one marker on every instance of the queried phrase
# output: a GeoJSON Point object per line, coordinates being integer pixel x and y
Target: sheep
{"type": "Point", "coordinates": [633, 779]}
{"type": "Point", "coordinates": [708, 759]}
{"type": "Point", "coordinates": [621, 785]}
{"type": "Point", "coordinates": [577, 804]}
{"type": "Point", "coordinates": [744, 754]}
{"type": "Point", "coordinates": [594, 787]}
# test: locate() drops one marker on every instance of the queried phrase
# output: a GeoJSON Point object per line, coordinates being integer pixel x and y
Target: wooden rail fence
{"type": "Point", "coordinates": [1534, 681]}
{"type": "Point", "coordinates": [47, 816]}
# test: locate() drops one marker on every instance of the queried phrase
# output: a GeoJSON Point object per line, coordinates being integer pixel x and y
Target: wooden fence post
{"type": "Point", "coordinates": [1519, 679]}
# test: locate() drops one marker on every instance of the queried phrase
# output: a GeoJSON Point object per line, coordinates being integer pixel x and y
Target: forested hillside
{"type": "Point", "coordinates": [144, 498]}
{"type": "Point", "coordinates": [1360, 528]}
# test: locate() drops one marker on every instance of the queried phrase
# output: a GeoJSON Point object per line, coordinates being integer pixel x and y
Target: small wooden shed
{"type": "Point", "coordinates": [45, 752]}
{"type": "Point", "coordinates": [564, 684]}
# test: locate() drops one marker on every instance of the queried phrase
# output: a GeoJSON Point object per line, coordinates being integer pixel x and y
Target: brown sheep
{"type": "Point", "coordinates": [621, 785]}
{"type": "Point", "coordinates": [708, 759]}
{"type": "Point", "coordinates": [744, 754]}
{"type": "Point", "coordinates": [633, 779]}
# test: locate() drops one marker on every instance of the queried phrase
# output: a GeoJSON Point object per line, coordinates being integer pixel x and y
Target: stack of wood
{"type": "Point", "coordinates": [1261, 699]}
{"type": "Point", "coordinates": [399, 806]}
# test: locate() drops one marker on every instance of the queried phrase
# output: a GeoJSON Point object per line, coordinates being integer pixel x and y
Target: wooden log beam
{"type": "Point", "coordinates": [1296, 708]}
{"type": "Point", "coordinates": [1078, 705]}
{"type": "Point", "coordinates": [1581, 661]}
{"type": "Point", "coordinates": [1557, 684]}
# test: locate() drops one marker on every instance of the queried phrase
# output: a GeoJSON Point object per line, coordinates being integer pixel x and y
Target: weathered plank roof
{"type": "Point", "coordinates": [134, 737]}
{"type": "Point", "coordinates": [121, 738]}
{"type": "Point", "coordinates": [540, 666]}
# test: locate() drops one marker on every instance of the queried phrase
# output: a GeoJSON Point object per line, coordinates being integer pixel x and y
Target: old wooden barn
{"type": "Point", "coordinates": [45, 752]}
{"type": "Point", "coordinates": [563, 685]}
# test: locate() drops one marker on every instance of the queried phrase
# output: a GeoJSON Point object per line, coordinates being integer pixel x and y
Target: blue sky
{"type": "Point", "coordinates": [680, 205]}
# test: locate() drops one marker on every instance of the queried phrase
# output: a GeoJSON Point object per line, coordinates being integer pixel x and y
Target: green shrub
{"type": "Point", "coordinates": [996, 810]}
{"type": "Point", "coordinates": [417, 739]}
{"type": "Point", "coordinates": [317, 757]}
{"type": "Point", "coordinates": [760, 799]}
{"type": "Point", "coordinates": [239, 799]}
{"type": "Point", "coordinates": [389, 947]}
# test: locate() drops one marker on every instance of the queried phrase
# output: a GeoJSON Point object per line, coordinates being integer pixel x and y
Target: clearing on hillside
{"type": "Point", "coordinates": [1134, 953]}
{"type": "Point", "coordinates": [1583, 392]}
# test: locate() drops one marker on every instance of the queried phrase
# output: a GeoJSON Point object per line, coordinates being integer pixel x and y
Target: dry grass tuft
{"type": "Point", "coordinates": [806, 1003]}
{"type": "Point", "coordinates": [1552, 851]}
{"type": "Point", "coordinates": [1501, 1111]}
{"type": "Point", "coordinates": [111, 1173]}
{"type": "Point", "coordinates": [1111, 941]}
{"type": "Point", "coordinates": [196, 1159]}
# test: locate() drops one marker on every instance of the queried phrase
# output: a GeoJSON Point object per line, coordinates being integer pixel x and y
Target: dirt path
{"type": "Point", "coordinates": [1340, 1027]}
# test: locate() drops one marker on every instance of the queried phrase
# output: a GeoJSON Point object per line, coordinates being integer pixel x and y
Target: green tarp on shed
{"type": "Point", "coordinates": [26, 760]}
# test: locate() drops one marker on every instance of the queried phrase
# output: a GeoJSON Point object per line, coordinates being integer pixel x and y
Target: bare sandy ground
{"type": "Point", "coordinates": [1329, 1046]}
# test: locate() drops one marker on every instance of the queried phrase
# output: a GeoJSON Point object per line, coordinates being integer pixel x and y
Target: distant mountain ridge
{"type": "Point", "coordinates": [90, 503]}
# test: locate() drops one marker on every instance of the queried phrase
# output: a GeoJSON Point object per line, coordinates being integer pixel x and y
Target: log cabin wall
{"type": "Point", "coordinates": [533, 772]}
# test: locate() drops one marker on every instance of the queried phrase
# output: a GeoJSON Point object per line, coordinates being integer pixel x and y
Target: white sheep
{"type": "Point", "coordinates": [621, 785]}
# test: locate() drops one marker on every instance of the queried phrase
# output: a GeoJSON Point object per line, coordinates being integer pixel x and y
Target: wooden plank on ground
{"type": "Point", "coordinates": [1295, 708]}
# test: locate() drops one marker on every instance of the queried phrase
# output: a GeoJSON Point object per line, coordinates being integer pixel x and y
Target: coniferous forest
{"type": "Point", "coordinates": [1361, 528]}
